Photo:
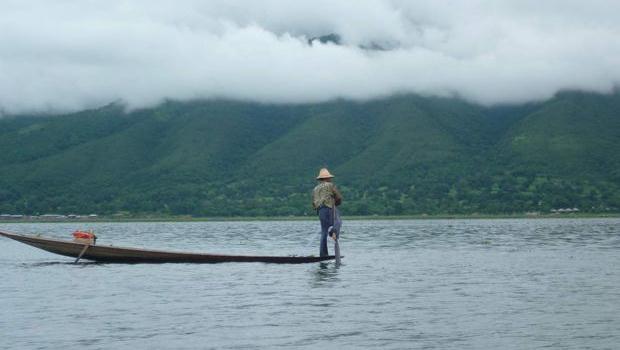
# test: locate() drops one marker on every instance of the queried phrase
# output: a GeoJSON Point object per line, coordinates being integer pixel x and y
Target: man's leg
{"type": "Point", "coordinates": [325, 217]}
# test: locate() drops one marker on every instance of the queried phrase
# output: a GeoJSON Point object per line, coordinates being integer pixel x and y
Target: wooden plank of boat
{"type": "Point", "coordinates": [112, 254]}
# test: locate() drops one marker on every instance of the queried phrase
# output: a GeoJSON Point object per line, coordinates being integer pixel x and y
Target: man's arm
{"type": "Point", "coordinates": [313, 200]}
{"type": "Point", "coordinates": [337, 196]}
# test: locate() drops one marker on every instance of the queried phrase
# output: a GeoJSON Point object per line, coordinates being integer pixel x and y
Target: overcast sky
{"type": "Point", "coordinates": [71, 55]}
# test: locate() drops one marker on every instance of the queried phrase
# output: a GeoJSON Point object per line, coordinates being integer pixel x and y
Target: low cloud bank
{"type": "Point", "coordinates": [70, 55]}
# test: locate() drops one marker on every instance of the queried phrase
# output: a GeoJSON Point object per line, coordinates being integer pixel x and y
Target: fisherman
{"type": "Point", "coordinates": [324, 197]}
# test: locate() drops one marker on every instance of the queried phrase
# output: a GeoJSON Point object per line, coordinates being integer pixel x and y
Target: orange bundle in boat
{"type": "Point", "coordinates": [86, 237]}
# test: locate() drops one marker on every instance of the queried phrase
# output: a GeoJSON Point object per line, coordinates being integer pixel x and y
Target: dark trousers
{"type": "Point", "coordinates": [325, 215]}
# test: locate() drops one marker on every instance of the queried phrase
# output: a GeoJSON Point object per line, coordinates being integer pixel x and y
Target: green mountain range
{"type": "Point", "coordinates": [394, 156]}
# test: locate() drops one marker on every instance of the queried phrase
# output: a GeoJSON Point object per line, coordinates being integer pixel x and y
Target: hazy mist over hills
{"type": "Point", "coordinates": [69, 55]}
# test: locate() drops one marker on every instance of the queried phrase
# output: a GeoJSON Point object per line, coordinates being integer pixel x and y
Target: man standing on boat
{"type": "Point", "coordinates": [325, 197]}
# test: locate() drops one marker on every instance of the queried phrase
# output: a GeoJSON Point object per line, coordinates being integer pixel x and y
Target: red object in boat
{"type": "Point", "coordinates": [84, 235]}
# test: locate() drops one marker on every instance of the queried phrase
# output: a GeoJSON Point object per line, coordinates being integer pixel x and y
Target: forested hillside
{"type": "Point", "coordinates": [400, 155]}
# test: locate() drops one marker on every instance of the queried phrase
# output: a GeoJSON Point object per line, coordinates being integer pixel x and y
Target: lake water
{"type": "Point", "coordinates": [445, 284]}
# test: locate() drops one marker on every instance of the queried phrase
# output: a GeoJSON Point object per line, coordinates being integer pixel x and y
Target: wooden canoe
{"type": "Point", "coordinates": [110, 254]}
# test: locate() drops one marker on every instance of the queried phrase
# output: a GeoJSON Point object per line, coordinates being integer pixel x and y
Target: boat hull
{"type": "Point", "coordinates": [110, 254]}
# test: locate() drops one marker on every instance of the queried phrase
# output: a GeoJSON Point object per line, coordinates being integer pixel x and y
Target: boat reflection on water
{"type": "Point", "coordinates": [326, 272]}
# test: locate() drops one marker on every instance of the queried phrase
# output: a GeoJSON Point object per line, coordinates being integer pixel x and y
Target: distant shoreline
{"type": "Point", "coordinates": [138, 218]}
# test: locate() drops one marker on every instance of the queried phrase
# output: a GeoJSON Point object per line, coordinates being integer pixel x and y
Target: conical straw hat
{"type": "Point", "coordinates": [324, 174]}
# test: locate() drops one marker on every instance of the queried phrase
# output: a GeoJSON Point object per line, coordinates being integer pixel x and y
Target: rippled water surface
{"type": "Point", "coordinates": [454, 284]}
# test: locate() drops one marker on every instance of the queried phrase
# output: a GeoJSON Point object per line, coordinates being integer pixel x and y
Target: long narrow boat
{"type": "Point", "coordinates": [110, 254]}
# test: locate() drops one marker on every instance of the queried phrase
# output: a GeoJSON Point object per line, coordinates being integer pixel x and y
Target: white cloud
{"type": "Point", "coordinates": [71, 55]}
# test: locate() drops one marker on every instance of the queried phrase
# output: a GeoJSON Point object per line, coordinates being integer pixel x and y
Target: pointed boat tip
{"type": "Point", "coordinates": [11, 235]}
